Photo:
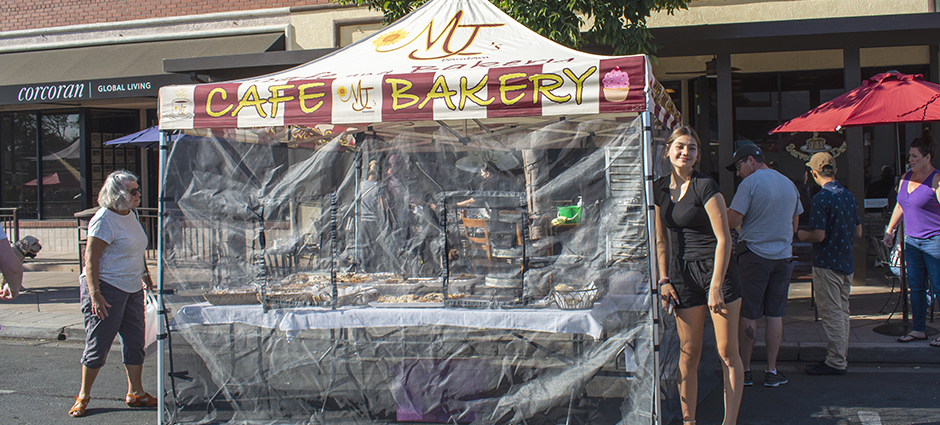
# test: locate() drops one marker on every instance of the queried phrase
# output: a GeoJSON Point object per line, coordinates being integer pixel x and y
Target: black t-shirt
{"type": "Point", "coordinates": [688, 217]}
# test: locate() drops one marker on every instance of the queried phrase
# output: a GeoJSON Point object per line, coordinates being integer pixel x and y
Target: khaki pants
{"type": "Point", "coordinates": [832, 301]}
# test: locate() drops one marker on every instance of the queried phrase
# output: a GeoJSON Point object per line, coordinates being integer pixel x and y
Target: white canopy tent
{"type": "Point", "coordinates": [327, 190]}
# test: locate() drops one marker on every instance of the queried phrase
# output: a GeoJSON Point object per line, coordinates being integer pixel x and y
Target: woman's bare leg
{"type": "Point", "coordinates": [689, 323]}
{"type": "Point", "coordinates": [726, 338]}
{"type": "Point", "coordinates": [134, 380]}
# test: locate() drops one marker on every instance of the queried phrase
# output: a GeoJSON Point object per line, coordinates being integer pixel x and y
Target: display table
{"type": "Point", "coordinates": [551, 320]}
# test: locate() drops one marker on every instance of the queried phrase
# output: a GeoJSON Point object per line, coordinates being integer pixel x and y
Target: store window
{"type": "Point", "coordinates": [49, 144]}
{"type": "Point", "coordinates": [61, 165]}
{"type": "Point", "coordinates": [18, 141]}
{"type": "Point", "coordinates": [105, 125]}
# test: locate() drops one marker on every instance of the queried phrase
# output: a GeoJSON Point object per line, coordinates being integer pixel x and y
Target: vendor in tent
{"type": "Point", "coordinates": [492, 179]}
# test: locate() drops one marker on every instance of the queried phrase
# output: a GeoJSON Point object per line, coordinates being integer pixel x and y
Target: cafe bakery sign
{"type": "Point", "coordinates": [463, 60]}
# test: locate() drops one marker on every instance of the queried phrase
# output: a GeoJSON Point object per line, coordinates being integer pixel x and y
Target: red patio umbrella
{"type": "Point", "coordinates": [54, 179]}
{"type": "Point", "coordinates": [886, 98]}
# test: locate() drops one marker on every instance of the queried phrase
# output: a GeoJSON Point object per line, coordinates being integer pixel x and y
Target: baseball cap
{"type": "Point", "coordinates": [742, 153]}
{"type": "Point", "coordinates": [820, 161]}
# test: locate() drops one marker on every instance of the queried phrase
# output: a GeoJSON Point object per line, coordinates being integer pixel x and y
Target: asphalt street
{"type": "Point", "coordinates": [39, 380]}
{"type": "Point", "coordinates": [875, 394]}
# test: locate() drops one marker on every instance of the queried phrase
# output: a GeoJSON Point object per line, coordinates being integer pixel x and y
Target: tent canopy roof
{"type": "Point", "coordinates": [450, 59]}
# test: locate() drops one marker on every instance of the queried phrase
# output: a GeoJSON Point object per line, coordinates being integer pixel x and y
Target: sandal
{"type": "Point", "coordinates": [912, 337]}
{"type": "Point", "coordinates": [935, 343]}
{"type": "Point", "coordinates": [78, 409]}
{"type": "Point", "coordinates": [145, 400]}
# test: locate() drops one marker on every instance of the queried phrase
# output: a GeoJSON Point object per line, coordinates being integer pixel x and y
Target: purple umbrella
{"type": "Point", "coordinates": [146, 138]}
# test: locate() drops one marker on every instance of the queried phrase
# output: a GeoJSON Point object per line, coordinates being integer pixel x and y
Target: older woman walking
{"type": "Point", "coordinates": [112, 289]}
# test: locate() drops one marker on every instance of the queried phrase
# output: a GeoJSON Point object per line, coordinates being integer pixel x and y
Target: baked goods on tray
{"type": "Point", "coordinates": [221, 296]}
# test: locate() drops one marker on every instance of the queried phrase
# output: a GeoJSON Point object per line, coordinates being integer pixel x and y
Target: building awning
{"type": "Point", "coordinates": [130, 70]}
{"type": "Point", "coordinates": [235, 67]}
{"type": "Point", "coordinates": [801, 34]}
{"type": "Point", "coordinates": [122, 60]}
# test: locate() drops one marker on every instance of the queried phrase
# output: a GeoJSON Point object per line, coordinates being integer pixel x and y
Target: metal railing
{"type": "Point", "coordinates": [149, 221]}
{"type": "Point", "coordinates": [10, 220]}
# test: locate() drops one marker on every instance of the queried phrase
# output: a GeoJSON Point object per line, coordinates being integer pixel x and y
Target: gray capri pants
{"type": "Point", "coordinates": [125, 318]}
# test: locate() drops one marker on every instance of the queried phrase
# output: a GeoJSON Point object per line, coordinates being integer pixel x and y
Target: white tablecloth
{"type": "Point", "coordinates": [551, 320]}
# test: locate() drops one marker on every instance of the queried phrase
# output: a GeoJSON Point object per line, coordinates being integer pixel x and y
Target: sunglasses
{"type": "Point", "coordinates": [135, 191]}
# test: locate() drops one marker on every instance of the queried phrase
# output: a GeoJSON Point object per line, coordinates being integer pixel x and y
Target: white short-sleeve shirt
{"type": "Point", "coordinates": [122, 261]}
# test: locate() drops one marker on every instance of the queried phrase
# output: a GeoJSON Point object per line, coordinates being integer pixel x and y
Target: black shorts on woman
{"type": "Point", "coordinates": [694, 262]}
{"type": "Point", "coordinates": [694, 278]}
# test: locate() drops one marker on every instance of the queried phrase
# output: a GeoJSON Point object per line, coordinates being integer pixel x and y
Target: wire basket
{"type": "Point", "coordinates": [577, 299]}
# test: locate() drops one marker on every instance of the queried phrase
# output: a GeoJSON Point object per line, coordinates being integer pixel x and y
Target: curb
{"type": "Point", "coordinates": [68, 333]}
{"type": "Point", "coordinates": [858, 353]}
{"type": "Point", "coordinates": [50, 268]}
{"type": "Point", "coordinates": [29, 332]}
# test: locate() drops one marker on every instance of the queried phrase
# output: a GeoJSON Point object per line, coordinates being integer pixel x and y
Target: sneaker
{"type": "Point", "coordinates": [774, 379]}
{"type": "Point", "coordinates": [822, 368]}
{"type": "Point", "coordinates": [748, 380]}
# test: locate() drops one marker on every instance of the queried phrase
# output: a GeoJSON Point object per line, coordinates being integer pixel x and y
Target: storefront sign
{"type": "Point", "coordinates": [74, 91]}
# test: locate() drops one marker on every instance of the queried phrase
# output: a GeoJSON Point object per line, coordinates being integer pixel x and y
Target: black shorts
{"type": "Point", "coordinates": [766, 285]}
{"type": "Point", "coordinates": [695, 279]}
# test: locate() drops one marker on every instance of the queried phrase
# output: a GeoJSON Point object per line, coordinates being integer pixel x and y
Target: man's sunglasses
{"type": "Point", "coordinates": [135, 191]}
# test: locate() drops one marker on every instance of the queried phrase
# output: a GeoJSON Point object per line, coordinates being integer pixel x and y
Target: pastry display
{"type": "Point", "coordinates": [227, 296]}
{"type": "Point", "coordinates": [432, 297]}
{"type": "Point", "coordinates": [360, 289]}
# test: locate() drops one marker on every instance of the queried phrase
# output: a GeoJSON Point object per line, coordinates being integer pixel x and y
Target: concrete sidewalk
{"type": "Point", "coordinates": [50, 310]}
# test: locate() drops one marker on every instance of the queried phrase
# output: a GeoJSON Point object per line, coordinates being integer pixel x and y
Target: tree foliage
{"type": "Point", "coordinates": [620, 24]}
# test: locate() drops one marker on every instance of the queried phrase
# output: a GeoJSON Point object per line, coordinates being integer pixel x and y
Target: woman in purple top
{"type": "Point", "coordinates": [919, 205]}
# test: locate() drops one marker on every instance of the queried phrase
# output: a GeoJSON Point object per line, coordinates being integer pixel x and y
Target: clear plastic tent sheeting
{"type": "Point", "coordinates": [481, 272]}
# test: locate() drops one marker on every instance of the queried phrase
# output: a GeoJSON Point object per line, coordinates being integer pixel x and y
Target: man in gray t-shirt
{"type": "Point", "coordinates": [767, 208]}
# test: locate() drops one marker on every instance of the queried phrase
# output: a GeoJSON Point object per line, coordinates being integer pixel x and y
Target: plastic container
{"type": "Point", "coordinates": [572, 213]}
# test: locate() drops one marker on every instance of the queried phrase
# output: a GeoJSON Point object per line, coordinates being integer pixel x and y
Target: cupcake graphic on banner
{"type": "Point", "coordinates": [616, 85]}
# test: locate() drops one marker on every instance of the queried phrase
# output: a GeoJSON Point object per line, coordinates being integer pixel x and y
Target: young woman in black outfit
{"type": "Point", "coordinates": [703, 280]}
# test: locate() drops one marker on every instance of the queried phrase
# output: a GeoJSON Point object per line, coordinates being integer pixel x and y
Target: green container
{"type": "Point", "coordinates": [572, 213]}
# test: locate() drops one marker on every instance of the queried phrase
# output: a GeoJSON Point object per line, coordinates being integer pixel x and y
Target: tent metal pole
{"type": "Point", "coordinates": [161, 325]}
{"type": "Point", "coordinates": [646, 141]}
{"type": "Point", "coordinates": [899, 238]}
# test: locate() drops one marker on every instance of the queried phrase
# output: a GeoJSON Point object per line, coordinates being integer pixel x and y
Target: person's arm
{"type": "Point", "coordinates": [92, 255]}
{"type": "Point", "coordinates": [814, 236]}
{"type": "Point", "coordinates": [718, 216]}
{"type": "Point", "coordinates": [666, 291]}
{"type": "Point", "coordinates": [858, 231]}
{"type": "Point", "coordinates": [12, 271]}
{"type": "Point", "coordinates": [796, 223]}
{"type": "Point", "coordinates": [896, 216]}
{"type": "Point", "coordinates": [146, 279]}
{"type": "Point", "coordinates": [734, 219]}
{"type": "Point", "coordinates": [466, 203]}
{"type": "Point", "coordinates": [936, 186]}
